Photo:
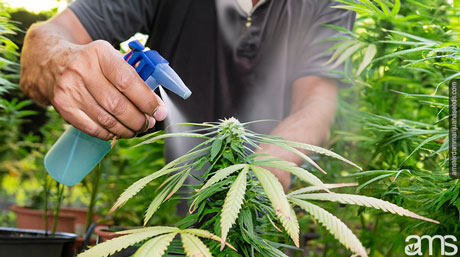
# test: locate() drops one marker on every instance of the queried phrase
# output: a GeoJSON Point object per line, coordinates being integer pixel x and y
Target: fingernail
{"type": "Point", "coordinates": [151, 122]}
{"type": "Point", "coordinates": [160, 113]}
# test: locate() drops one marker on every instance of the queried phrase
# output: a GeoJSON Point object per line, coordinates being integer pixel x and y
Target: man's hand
{"type": "Point", "coordinates": [313, 104]}
{"type": "Point", "coordinates": [88, 83]}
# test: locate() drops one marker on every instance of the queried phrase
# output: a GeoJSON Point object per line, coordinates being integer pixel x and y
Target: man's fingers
{"type": "Point", "coordinates": [110, 123]}
{"type": "Point", "coordinates": [83, 122]}
{"type": "Point", "coordinates": [72, 98]}
{"type": "Point", "coordinates": [115, 103]}
{"type": "Point", "coordinates": [125, 78]}
{"type": "Point", "coordinates": [103, 118]}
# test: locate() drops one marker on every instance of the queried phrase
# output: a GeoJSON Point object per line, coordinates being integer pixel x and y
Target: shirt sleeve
{"type": "Point", "coordinates": [115, 20]}
{"type": "Point", "coordinates": [311, 53]}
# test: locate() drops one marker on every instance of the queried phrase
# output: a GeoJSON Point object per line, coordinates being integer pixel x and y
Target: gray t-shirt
{"type": "Point", "coordinates": [235, 63]}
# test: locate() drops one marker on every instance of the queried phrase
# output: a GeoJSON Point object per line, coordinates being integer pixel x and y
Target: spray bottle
{"type": "Point", "coordinates": [76, 153]}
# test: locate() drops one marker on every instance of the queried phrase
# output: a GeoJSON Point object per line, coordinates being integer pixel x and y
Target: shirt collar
{"type": "Point", "coordinates": [247, 6]}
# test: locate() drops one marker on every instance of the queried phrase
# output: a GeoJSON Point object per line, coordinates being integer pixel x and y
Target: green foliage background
{"type": "Point", "coordinates": [394, 120]}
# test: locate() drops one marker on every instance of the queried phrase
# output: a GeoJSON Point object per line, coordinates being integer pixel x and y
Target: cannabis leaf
{"type": "Point", "coordinates": [274, 191]}
{"type": "Point", "coordinates": [222, 174]}
{"type": "Point", "coordinates": [155, 247]}
{"type": "Point", "coordinates": [312, 148]}
{"type": "Point", "coordinates": [233, 203]}
{"type": "Point", "coordinates": [119, 243]}
{"type": "Point", "coordinates": [311, 189]}
{"type": "Point", "coordinates": [167, 169]}
{"type": "Point", "coordinates": [194, 247]}
{"type": "Point", "coordinates": [363, 201]}
{"type": "Point", "coordinates": [334, 225]}
{"type": "Point", "coordinates": [160, 238]}
{"type": "Point", "coordinates": [294, 170]}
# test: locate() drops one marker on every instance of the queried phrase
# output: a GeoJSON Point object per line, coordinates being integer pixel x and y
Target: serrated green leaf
{"type": "Point", "coordinates": [206, 234]}
{"type": "Point", "coordinates": [319, 188]}
{"type": "Point", "coordinates": [155, 204]}
{"type": "Point", "coordinates": [178, 184]}
{"type": "Point", "coordinates": [138, 185]}
{"type": "Point", "coordinates": [194, 247]}
{"type": "Point", "coordinates": [312, 148]}
{"type": "Point", "coordinates": [169, 135]}
{"type": "Point", "coordinates": [334, 225]}
{"type": "Point", "coordinates": [368, 56]}
{"type": "Point", "coordinates": [291, 225]}
{"type": "Point", "coordinates": [215, 148]}
{"type": "Point", "coordinates": [232, 204]}
{"type": "Point", "coordinates": [364, 201]}
{"type": "Point", "coordinates": [275, 193]}
{"type": "Point", "coordinates": [222, 174]}
{"type": "Point", "coordinates": [301, 155]}
{"type": "Point", "coordinates": [119, 243]}
{"type": "Point", "coordinates": [290, 167]}
{"type": "Point", "coordinates": [141, 183]}
{"type": "Point", "coordinates": [156, 246]}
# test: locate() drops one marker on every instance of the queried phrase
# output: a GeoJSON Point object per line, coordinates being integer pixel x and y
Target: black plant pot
{"type": "Point", "coordinates": [30, 242]}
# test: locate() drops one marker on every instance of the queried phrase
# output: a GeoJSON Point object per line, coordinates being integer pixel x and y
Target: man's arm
{"type": "Point", "coordinates": [87, 82]}
{"type": "Point", "coordinates": [314, 100]}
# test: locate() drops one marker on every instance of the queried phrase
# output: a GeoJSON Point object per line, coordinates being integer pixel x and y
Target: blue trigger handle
{"type": "Point", "coordinates": [155, 70]}
{"type": "Point", "coordinates": [146, 60]}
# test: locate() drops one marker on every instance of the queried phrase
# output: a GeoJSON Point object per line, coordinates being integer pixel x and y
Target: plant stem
{"type": "Point", "coordinates": [45, 204]}
{"type": "Point", "coordinates": [326, 248]}
{"type": "Point", "coordinates": [57, 208]}
{"type": "Point", "coordinates": [95, 181]}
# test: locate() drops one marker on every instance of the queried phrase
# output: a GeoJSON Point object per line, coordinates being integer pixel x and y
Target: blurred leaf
{"type": "Point", "coordinates": [371, 50]}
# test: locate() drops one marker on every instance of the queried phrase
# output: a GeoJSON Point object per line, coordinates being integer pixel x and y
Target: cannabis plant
{"type": "Point", "coordinates": [403, 54]}
{"type": "Point", "coordinates": [239, 202]}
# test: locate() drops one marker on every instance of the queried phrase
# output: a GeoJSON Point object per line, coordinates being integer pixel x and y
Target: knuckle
{"type": "Point", "coordinates": [125, 81]}
{"type": "Point", "coordinates": [58, 99]}
{"type": "Point", "coordinates": [67, 90]}
{"type": "Point", "coordinates": [116, 105]}
{"type": "Point", "coordinates": [100, 44]}
{"type": "Point", "coordinates": [75, 66]}
{"type": "Point", "coordinates": [79, 62]}
{"type": "Point", "coordinates": [106, 120]}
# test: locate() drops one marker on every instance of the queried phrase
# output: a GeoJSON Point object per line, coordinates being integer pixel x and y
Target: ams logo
{"type": "Point", "coordinates": [447, 249]}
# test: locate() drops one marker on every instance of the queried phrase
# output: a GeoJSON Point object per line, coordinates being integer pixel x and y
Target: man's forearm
{"type": "Point", "coordinates": [309, 122]}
